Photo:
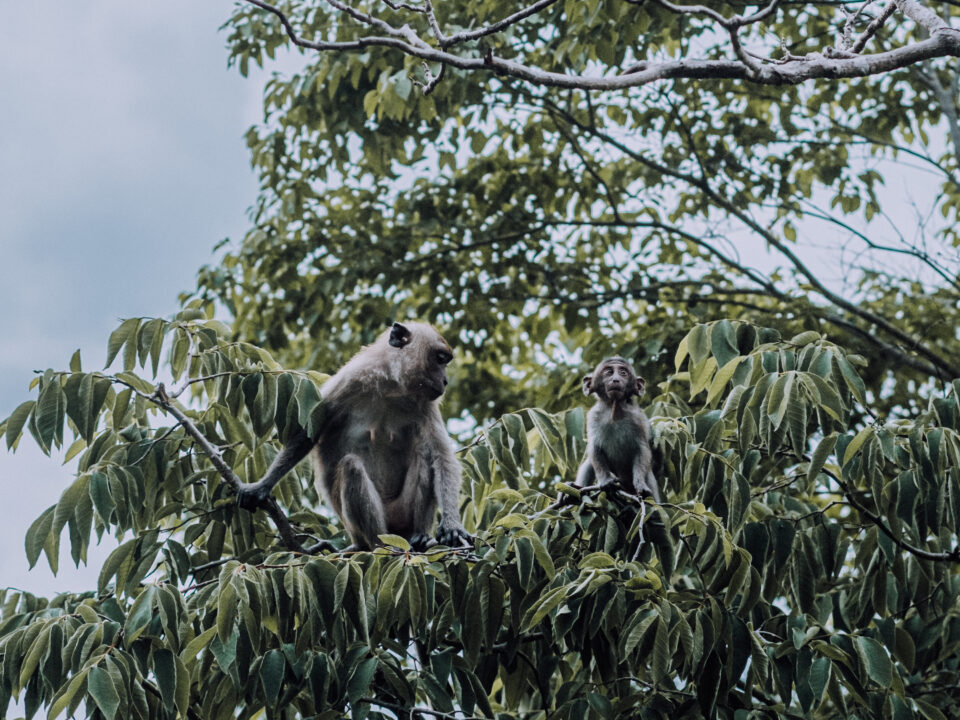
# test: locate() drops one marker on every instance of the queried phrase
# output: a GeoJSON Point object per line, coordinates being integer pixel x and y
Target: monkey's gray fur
{"type": "Point", "coordinates": [383, 460]}
{"type": "Point", "coordinates": [618, 431]}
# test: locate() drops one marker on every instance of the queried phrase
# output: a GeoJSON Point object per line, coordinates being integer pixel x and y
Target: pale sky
{"type": "Point", "coordinates": [122, 163]}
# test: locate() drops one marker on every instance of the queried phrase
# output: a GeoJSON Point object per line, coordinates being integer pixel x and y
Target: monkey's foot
{"type": "Point", "coordinates": [454, 536]}
{"type": "Point", "coordinates": [421, 541]}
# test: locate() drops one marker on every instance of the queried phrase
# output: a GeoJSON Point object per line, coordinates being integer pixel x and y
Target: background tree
{"type": "Point", "coordinates": [803, 561]}
{"type": "Point", "coordinates": [611, 207]}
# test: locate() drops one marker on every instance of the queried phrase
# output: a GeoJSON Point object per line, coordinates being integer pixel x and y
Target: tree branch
{"type": "Point", "coordinates": [951, 556]}
{"type": "Point", "coordinates": [943, 41]}
{"type": "Point", "coordinates": [162, 400]}
{"type": "Point", "coordinates": [941, 366]}
{"type": "Point", "coordinates": [874, 25]}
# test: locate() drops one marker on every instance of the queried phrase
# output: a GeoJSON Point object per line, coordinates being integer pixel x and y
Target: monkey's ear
{"type": "Point", "coordinates": [641, 386]}
{"type": "Point", "coordinates": [399, 335]}
{"type": "Point", "coordinates": [587, 384]}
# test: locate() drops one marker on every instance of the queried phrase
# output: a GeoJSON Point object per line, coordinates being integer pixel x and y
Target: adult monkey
{"type": "Point", "coordinates": [382, 458]}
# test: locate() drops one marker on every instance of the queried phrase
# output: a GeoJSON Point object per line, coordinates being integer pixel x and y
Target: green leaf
{"type": "Point", "coordinates": [723, 342]}
{"type": "Point", "coordinates": [875, 660]}
{"type": "Point", "coordinates": [699, 345]}
{"type": "Point", "coordinates": [101, 496]}
{"type": "Point", "coordinates": [928, 709]}
{"type": "Point", "coordinates": [395, 541]}
{"type": "Point", "coordinates": [37, 534]}
{"type": "Point", "coordinates": [806, 338]}
{"type": "Point", "coordinates": [360, 679]}
{"type": "Point", "coordinates": [721, 379]}
{"type": "Point", "coordinates": [140, 615]}
{"type": "Point", "coordinates": [102, 690]}
{"type": "Point", "coordinates": [120, 336]}
{"type": "Point", "coordinates": [16, 422]}
{"type": "Point", "coordinates": [48, 417]}
{"type": "Point", "coordinates": [852, 380]}
{"type": "Point", "coordinates": [31, 660]}
{"type": "Point", "coordinates": [660, 664]}
{"type": "Point", "coordinates": [824, 449]}
{"type": "Point", "coordinates": [636, 634]}
{"type": "Point", "coordinates": [165, 670]}
{"type": "Point", "coordinates": [189, 653]}
{"type": "Point", "coordinates": [271, 675]}
{"type": "Point", "coordinates": [857, 442]}
{"type": "Point", "coordinates": [66, 695]}
{"type": "Point", "coordinates": [543, 607]}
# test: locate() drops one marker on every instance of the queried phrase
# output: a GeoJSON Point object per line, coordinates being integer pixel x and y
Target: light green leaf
{"type": "Point", "coordinates": [857, 443]}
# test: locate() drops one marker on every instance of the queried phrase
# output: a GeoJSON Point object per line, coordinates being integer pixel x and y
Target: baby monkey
{"type": "Point", "coordinates": [618, 432]}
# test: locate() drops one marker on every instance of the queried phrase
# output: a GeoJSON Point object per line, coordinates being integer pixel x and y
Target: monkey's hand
{"type": "Point", "coordinates": [251, 496]}
{"type": "Point", "coordinates": [452, 534]}
{"type": "Point", "coordinates": [606, 480]}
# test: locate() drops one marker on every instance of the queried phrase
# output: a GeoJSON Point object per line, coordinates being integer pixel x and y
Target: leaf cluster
{"type": "Point", "coordinates": [800, 565]}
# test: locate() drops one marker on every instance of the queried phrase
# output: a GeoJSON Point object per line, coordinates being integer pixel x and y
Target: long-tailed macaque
{"type": "Point", "coordinates": [382, 459]}
{"type": "Point", "coordinates": [618, 432]}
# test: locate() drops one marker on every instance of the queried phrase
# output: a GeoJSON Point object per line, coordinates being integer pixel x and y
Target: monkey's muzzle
{"type": "Point", "coordinates": [433, 389]}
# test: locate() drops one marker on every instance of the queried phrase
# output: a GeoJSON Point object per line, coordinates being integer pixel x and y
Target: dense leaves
{"type": "Point", "coordinates": [801, 563]}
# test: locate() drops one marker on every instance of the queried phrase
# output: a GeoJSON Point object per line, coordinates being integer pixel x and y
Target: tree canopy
{"type": "Point", "coordinates": [803, 561]}
{"type": "Point", "coordinates": [581, 215]}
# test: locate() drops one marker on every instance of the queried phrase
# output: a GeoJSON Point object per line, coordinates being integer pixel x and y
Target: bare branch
{"type": "Point", "coordinates": [404, 6]}
{"type": "Point", "coordinates": [497, 26]}
{"type": "Point", "coordinates": [948, 102]}
{"type": "Point", "coordinates": [691, 10]}
{"type": "Point", "coordinates": [939, 365]}
{"type": "Point", "coordinates": [432, 80]}
{"type": "Point", "coordinates": [405, 32]}
{"type": "Point", "coordinates": [875, 25]}
{"type": "Point", "coordinates": [943, 41]}
{"type": "Point", "coordinates": [923, 16]}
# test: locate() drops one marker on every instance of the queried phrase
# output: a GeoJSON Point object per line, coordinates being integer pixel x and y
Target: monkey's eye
{"type": "Point", "coordinates": [443, 357]}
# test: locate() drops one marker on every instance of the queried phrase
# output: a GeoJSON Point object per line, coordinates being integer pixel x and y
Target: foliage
{"type": "Point", "coordinates": [801, 564]}
{"type": "Point", "coordinates": [548, 227]}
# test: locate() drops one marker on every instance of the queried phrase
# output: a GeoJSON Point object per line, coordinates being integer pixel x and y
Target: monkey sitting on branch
{"type": "Point", "coordinates": [618, 432]}
{"type": "Point", "coordinates": [382, 458]}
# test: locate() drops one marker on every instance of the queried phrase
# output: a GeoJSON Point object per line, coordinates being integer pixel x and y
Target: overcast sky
{"type": "Point", "coordinates": [122, 163]}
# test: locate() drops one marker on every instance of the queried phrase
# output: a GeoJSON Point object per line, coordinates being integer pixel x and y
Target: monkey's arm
{"type": "Point", "coordinates": [585, 474]}
{"type": "Point", "coordinates": [446, 484]}
{"type": "Point", "coordinates": [644, 481]}
{"type": "Point", "coordinates": [251, 495]}
{"type": "Point", "coordinates": [602, 470]}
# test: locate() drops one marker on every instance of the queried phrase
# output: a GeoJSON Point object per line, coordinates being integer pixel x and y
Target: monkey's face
{"type": "Point", "coordinates": [424, 358]}
{"type": "Point", "coordinates": [435, 377]}
{"type": "Point", "coordinates": [614, 380]}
